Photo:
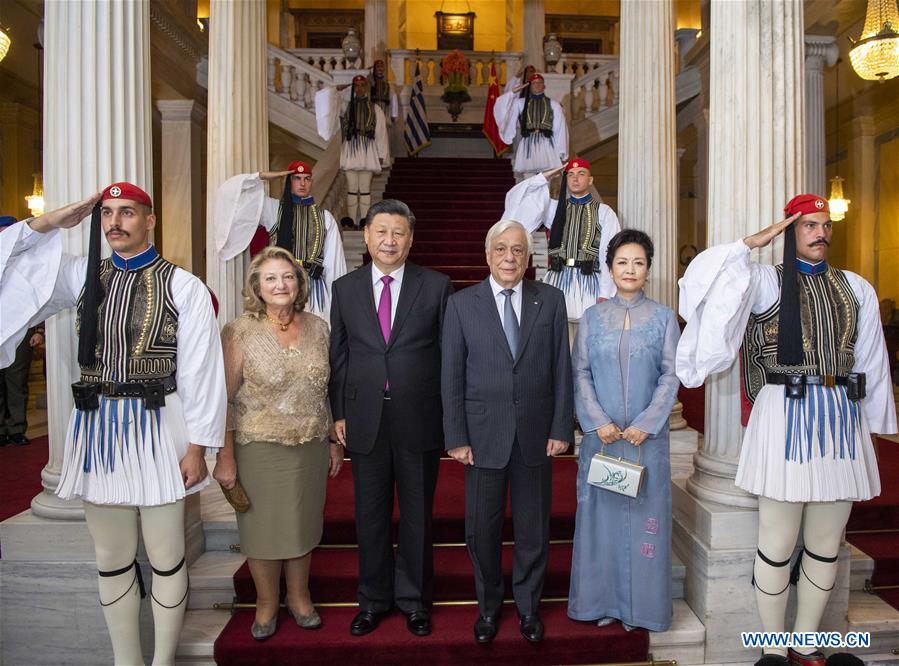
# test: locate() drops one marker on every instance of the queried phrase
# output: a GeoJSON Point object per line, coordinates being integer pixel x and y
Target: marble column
{"type": "Point", "coordinates": [756, 133]}
{"type": "Point", "coordinates": [237, 125]}
{"type": "Point", "coordinates": [102, 138]}
{"type": "Point", "coordinates": [861, 191]}
{"type": "Point", "coordinates": [375, 39]}
{"type": "Point", "coordinates": [181, 209]}
{"type": "Point", "coordinates": [534, 29]}
{"type": "Point", "coordinates": [647, 138]}
{"type": "Point", "coordinates": [820, 51]}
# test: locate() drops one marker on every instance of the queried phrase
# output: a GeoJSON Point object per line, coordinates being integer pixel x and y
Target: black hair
{"type": "Point", "coordinates": [391, 207]}
{"type": "Point", "coordinates": [626, 237]}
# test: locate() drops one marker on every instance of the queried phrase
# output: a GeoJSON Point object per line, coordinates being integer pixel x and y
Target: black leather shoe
{"type": "Point", "coordinates": [365, 622]}
{"type": "Point", "coordinates": [772, 660]}
{"type": "Point", "coordinates": [4, 440]}
{"type": "Point", "coordinates": [419, 622]}
{"type": "Point", "coordinates": [485, 629]}
{"type": "Point", "coordinates": [19, 440]}
{"type": "Point", "coordinates": [531, 628]}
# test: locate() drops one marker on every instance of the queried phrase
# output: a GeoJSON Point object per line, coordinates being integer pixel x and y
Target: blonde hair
{"type": "Point", "coordinates": [252, 301]}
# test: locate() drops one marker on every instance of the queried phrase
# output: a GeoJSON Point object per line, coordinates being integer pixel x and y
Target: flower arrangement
{"type": "Point", "coordinates": [454, 70]}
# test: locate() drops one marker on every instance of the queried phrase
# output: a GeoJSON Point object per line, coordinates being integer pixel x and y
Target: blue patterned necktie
{"type": "Point", "coordinates": [510, 322]}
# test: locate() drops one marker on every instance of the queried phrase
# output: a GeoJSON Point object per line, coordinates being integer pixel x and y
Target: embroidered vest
{"type": "Point", "coordinates": [829, 314]}
{"type": "Point", "coordinates": [537, 117]}
{"type": "Point", "coordinates": [582, 234]}
{"type": "Point", "coordinates": [308, 233]}
{"type": "Point", "coordinates": [137, 324]}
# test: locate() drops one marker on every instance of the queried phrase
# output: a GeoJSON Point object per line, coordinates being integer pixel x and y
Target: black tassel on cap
{"type": "Point", "coordinates": [93, 296]}
{"type": "Point", "coordinates": [285, 237]}
{"type": "Point", "coordinates": [789, 323]}
{"type": "Point", "coordinates": [558, 228]}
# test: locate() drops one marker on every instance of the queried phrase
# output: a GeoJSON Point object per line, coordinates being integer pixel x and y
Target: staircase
{"type": "Point", "coordinates": [455, 202]}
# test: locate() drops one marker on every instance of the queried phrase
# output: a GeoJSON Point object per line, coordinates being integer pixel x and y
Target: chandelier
{"type": "Point", "coordinates": [35, 200]}
{"type": "Point", "coordinates": [5, 41]}
{"type": "Point", "coordinates": [875, 55]}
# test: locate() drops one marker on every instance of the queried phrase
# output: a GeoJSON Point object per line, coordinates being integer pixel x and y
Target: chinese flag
{"type": "Point", "coordinates": [491, 131]}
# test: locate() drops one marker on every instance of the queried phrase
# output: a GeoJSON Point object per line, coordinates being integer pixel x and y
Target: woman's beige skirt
{"type": "Point", "coordinates": [286, 486]}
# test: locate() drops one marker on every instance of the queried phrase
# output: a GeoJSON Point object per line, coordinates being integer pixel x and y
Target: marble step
{"type": "Point", "coordinates": [683, 642]}
{"type": "Point", "coordinates": [211, 578]}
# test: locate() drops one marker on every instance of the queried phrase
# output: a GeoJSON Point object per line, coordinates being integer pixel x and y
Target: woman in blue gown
{"type": "Point", "coordinates": [625, 386]}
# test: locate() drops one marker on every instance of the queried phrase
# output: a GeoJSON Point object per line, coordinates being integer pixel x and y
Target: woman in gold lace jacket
{"type": "Point", "coordinates": [276, 369]}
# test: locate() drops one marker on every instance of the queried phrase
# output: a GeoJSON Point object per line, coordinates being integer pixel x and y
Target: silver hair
{"type": "Point", "coordinates": [505, 225]}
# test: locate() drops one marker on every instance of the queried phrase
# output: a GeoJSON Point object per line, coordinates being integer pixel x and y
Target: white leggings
{"type": "Point", "coordinates": [115, 534]}
{"type": "Point", "coordinates": [358, 186]}
{"type": "Point", "coordinates": [822, 534]}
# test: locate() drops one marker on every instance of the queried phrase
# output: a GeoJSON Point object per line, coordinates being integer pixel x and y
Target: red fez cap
{"type": "Point", "coordinates": [299, 167]}
{"type": "Point", "coordinates": [806, 204]}
{"type": "Point", "coordinates": [126, 191]}
{"type": "Point", "coordinates": [577, 163]}
{"type": "Point", "coordinates": [535, 77]}
{"type": "Point", "coordinates": [360, 79]}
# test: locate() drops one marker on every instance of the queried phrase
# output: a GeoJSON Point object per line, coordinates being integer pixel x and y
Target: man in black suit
{"type": "Point", "coordinates": [507, 408]}
{"type": "Point", "coordinates": [386, 319]}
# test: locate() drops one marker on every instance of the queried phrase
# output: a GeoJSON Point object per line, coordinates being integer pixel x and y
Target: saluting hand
{"type": "Point", "coordinates": [65, 217]}
{"type": "Point", "coordinates": [552, 173]}
{"type": "Point", "coordinates": [765, 236]}
{"type": "Point", "coordinates": [271, 175]}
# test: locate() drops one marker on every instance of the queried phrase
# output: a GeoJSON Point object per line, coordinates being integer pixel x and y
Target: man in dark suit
{"type": "Point", "coordinates": [507, 408]}
{"type": "Point", "coordinates": [386, 319]}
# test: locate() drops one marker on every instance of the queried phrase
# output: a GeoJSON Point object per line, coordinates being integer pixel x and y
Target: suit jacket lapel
{"type": "Point", "coordinates": [490, 314]}
{"type": "Point", "coordinates": [412, 280]}
{"type": "Point", "coordinates": [530, 308]}
{"type": "Point", "coordinates": [367, 302]}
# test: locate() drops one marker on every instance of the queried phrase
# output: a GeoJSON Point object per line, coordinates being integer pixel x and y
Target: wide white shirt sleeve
{"type": "Point", "coordinates": [201, 369]}
{"type": "Point", "coordinates": [394, 104]}
{"type": "Point", "coordinates": [36, 281]}
{"type": "Point", "coordinates": [327, 112]}
{"type": "Point", "coordinates": [334, 259]}
{"type": "Point", "coordinates": [610, 226]}
{"type": "Point", "coordinates": [529, 203]}
{"type": "Point", "coordinates": [718, 292]}
{"type": "Point", "coordinates": [382, 142]}
{"type": "Point", "coordinates": [560, 131]}
{"type": "Point", "coordinates": [871, 358]}
{"type": "Point", "coordinates": [506, 110]}
{"type": "Point", "coordinates": [240, 205]}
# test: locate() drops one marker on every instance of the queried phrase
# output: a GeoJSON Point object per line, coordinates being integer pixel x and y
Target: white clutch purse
{"type": "Point", "coordinates": [615, 474]}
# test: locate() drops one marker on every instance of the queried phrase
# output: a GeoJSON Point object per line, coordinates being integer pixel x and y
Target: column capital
{"type": "Point", "coordinates": [821, 50]}
{"type": "Point", "coordinates": [181, 109]}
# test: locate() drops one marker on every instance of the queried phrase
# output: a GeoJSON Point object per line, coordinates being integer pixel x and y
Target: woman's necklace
{"type": "Point", "coordinates": [277, 323]}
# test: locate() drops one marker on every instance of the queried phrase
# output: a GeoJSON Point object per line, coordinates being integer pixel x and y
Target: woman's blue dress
{"type": "Point", "coordinates": [621, 566]}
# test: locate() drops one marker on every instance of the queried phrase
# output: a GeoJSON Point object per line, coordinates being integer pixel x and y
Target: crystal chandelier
{"type": "Point", "coordinates": [5, 41]}
{"type": "Point", "coordinates": [875, 55]}
{"type": "Point", "coordinates": [837, 204]}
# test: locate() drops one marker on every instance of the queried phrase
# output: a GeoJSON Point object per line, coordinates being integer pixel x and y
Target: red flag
{"type": "Point", "coordinates": [491, 131]}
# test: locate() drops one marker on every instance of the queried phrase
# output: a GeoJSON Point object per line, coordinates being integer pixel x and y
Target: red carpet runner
{"type": "Point", "coordinates": [333, 581]}
{"type": "Point", "coordinates": [455, 202]}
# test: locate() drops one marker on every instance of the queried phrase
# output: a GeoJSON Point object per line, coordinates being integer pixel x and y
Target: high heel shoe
{"type": "Point", "coordinates": [311, 621]}
{"type": "Point", "coordinates": [262, 632]}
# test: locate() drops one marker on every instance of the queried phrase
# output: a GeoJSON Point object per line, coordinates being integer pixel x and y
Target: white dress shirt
{"type": "Point", "coordinates": [395, 286]}
{"type": "Point", "coordinates": [500, 299]}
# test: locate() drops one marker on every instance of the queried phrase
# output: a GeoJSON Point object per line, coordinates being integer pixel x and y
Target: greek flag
{"type": "Point", "coordinates": [417, 134]}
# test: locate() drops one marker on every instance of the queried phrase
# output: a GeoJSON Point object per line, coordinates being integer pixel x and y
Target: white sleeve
{"type": "Point", "coordinates": [529, 203]}
{"type": "Point", "coordinates": [201, 369]}
{"type": "Point", "coordinates": [394, 104]}
{"type": "Point", "coordinates": [560, 131]}
{"type": "Point", "coordinates": [36, 281]}
{"type": "Point", "coordinates": [871, 358]}
{"type": "Point", "coordinates": [240, 205]}
{"type": "Point", "coordinates": [327, 110]}
{"type": "Point", "coordinates": [610, 227]}
{"type": "Point", "coordinates": [719, 291]}
{"type": "Point", "coordinates": [335, 260]}
{"type": "Point", "coordinates": [512, 83]}
{"type": "Point", "coordinates": [505, 112]}
{"type": "Point", "coordinates": [382, 142]}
